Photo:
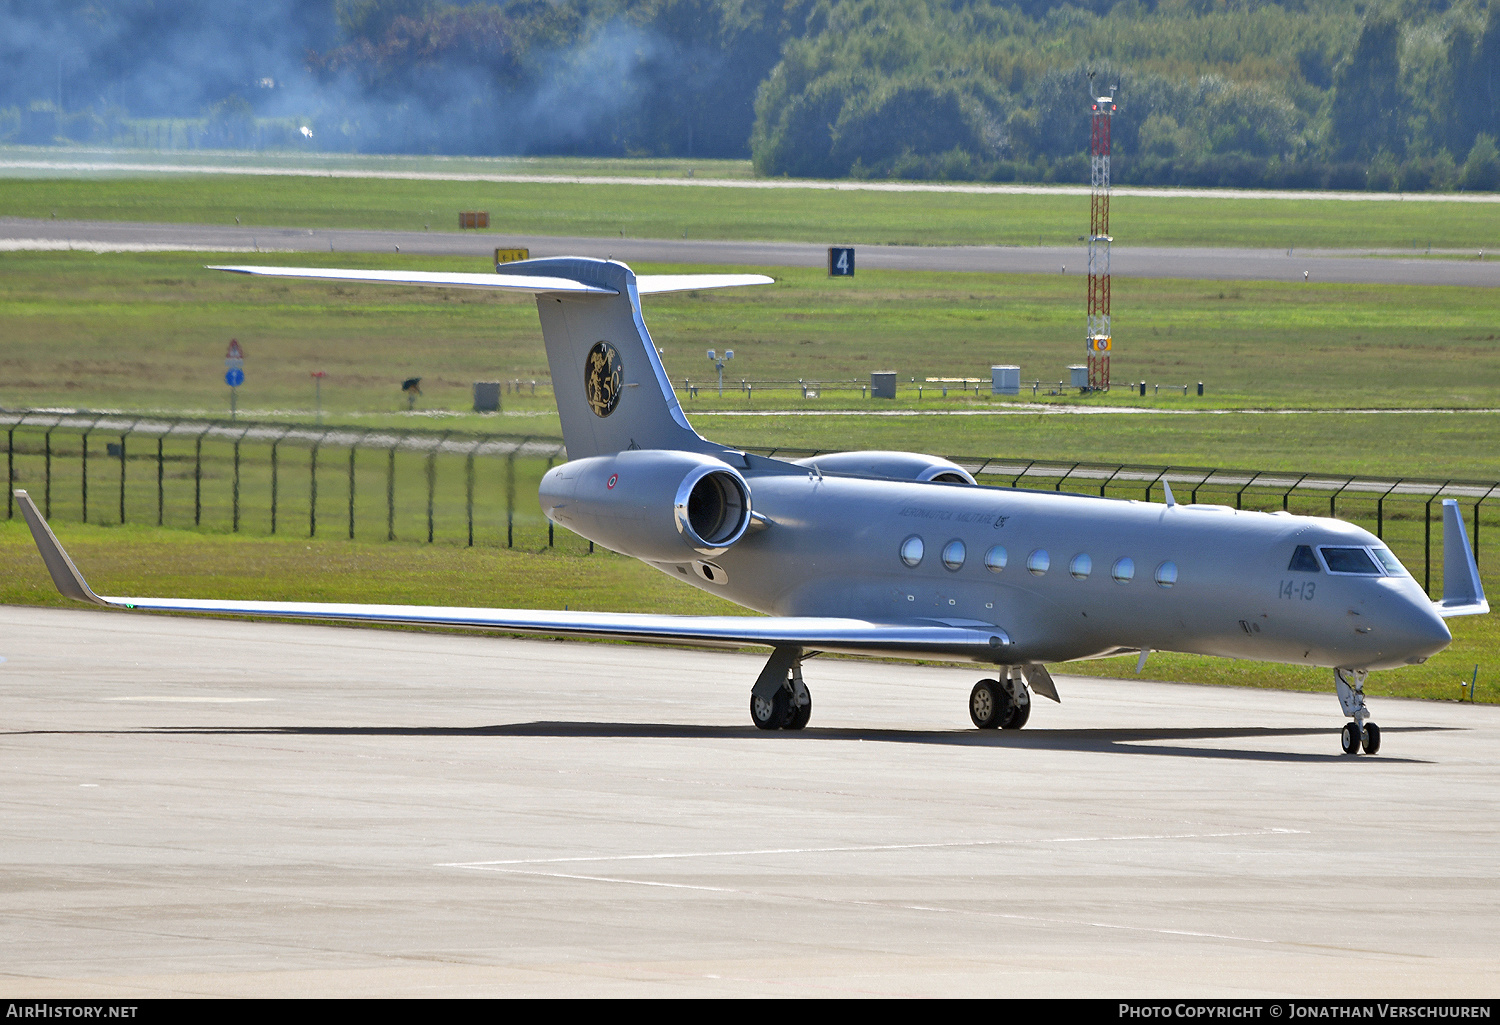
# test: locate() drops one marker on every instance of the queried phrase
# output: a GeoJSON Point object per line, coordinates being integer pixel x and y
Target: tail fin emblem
{"type": "Point", "coordinates": [603, 378]}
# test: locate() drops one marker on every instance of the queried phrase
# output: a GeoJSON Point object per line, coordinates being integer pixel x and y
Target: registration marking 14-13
{"type": "Point", "coordinates": [1299, 589]}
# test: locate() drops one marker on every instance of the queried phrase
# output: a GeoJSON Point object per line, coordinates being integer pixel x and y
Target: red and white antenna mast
{"type": "Point", "coordinates": [1099, 339]}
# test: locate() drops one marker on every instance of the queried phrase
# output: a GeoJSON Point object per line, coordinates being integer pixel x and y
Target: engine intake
{"type": "Point", "coordinates": [712, 508]}
{"type": "Point", "coordinates": [662, 506]}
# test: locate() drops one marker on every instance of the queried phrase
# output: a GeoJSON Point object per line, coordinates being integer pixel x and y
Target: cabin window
{"type": "Point", "coordinates": [1166, 574]}
{"type": "Point", "coordinates": [953, 555]}
{"type": "Point", "coordinates": [1123, 570]}
{"type": "Point", "coordinates": [1303, 561]}
{"type": "Point", "coordinates": [1038, 561]}
{"type": "Point", "coordinates": [911, 550]}
{"type": "Point", "coordinates": [1349, 560]}
{"type": "Point", "coordinates": [1081, 566]}
{"type": "Point", "coordinates": [995, 558]}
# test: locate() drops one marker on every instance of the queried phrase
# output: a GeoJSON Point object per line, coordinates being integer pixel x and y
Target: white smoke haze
{"type": "Point", "coordinates": [102, 71]}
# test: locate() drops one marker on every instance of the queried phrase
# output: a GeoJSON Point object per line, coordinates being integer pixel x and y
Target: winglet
{"type": "Point", "coordinates": [1463, 592]}
{"type": "Point", "coordinates": [64, 574]}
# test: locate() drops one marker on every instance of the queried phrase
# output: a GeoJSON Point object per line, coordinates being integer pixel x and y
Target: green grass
{"type": "Point", "coordinates": [807, 215]}
{"type": "Point", "coordinates": [148, 331]}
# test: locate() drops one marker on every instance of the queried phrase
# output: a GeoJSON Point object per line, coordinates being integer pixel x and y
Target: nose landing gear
{"type": "Point", "coordinates": [1358, 734]}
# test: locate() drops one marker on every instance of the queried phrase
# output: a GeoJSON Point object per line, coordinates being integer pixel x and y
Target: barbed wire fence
{"type": "Point", "coordinates": [447, 486]}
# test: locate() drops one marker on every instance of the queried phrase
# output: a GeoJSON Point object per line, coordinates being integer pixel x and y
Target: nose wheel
{"type": "Point", "coordinates": [1359, 734]}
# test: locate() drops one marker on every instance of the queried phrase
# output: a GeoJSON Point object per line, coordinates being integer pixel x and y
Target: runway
{"type": "Point", "coordinates": [197, 807]}
{"type": "Point", "coordinates": [1199, 263]}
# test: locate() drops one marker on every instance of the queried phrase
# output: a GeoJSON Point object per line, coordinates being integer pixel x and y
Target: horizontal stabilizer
{"type": "Point", "coordinates": [442, 279]}
{"type": "Point", "coordinates": [1463, 592]}
{"type": "Point", "coordinates": [976, 640]}
{"type": "Point", "coordinates": [656, 284]}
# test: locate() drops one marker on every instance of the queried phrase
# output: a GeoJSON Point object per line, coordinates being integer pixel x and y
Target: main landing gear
{"type": "Point", "coordinates": [1357, 734]}
{"type": "Point", "coordinates": [1001, 704]}
{"type": "Point", "coordinates": [780, 700]}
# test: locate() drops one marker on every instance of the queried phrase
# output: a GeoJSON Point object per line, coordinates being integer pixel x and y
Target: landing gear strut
{"type": "Point", "coordinates": [780, 700]}
{"type": "Point", "coordinates": [1357, 734]}
{"type": "Point", "coordinates": [1001, 704]}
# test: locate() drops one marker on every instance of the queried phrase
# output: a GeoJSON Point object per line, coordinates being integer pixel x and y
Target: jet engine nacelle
{"type": "Point", "coordinates": [900, 465]}
{"type": "Point", "coordinates": [662, 506]}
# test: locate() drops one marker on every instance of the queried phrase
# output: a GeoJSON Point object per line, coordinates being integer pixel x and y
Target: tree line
{"type": "Point", "coordinates": [1396, 94]}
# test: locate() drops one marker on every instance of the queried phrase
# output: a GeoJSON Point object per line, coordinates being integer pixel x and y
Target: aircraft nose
{"type": "Point", "coordinates": [1419, 632]}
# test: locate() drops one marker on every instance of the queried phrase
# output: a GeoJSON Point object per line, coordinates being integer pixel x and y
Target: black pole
{"type": "Point", "coordinates": [47, 488]}
{"type": "Point", "coordinates": [510, 499]}
{"type": "Point", "coordinates": [431, 487]}
{"type": "Point", "coordinates": [469, 493]}
{"type": "Point", "coordinates": [10, 473]}
{"type": "Point", "coordinates": [160, 474]}
{"type": "Point", "coordinates": [198, 480]}
{"type": "Point", "coordinates": [351, 491]}
{"type": "Point", "coordinates": [1427, 551]}
{"type": "Point", "coordinates": [236, 505]}
{"type": "Point", "coordinates": [84, 473]}
{"type": "Point", "coordinates": [274, 445]}
{"type": "Point", "coordinates": [312, 494]}
{"type": "Point", "coordinates": [122, 479]}
{"type": "Point", "coordinates": [390, 494]}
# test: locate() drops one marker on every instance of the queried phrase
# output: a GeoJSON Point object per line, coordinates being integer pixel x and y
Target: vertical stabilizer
{"type": "Point", "coordinates": [612, 390]}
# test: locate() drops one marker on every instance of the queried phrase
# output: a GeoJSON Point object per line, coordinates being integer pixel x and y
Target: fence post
{"type": "Point", "coordinates": [122, 476]}
{"type": "Point", "coordinates": [312, 495]}
{"type": "Point", "coordinates": [431, 486]}
{"type": "Point", "coordinates": [469, 493]}
{"type": "Point", "coordinates": [274, 445]}
{"type": "Point", "coordinates": [353, 445]}
{"type": "Point", "coordinates": [47, 488]}
{"type": "Point", "coordinates": [160, 468]}
{"type": "Point", "coordinates": [10, 473]}
{"type": "Point", "coordinates": [550, 524]}
{"type": "Point", "coordinates": [1427, 550]}
{"type": "Point", "coordinates": [198, 478]}
{"type": "Point", "coordinates": [234, 526]}
{"type": "Point", "coordinates": [390, 495]}
{"type": "Point", "coordinates": [84, 474]}
{"type": "Point", "coordinates": [510, 494]}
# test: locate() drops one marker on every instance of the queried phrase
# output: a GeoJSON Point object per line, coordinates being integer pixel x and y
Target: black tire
{"type": "Point", "coordinates": [1349, 738]}
{"type": "Point", "coordinates": [989, 705]}
{"type": "Point", "coordinates": [800, 715]}
{"type": "Point", "coordinates": [771, 714]}
{"type": "Point", "coordinates": [1018, 716]}
{"type": "Point", "coordinates": [1372, 739]}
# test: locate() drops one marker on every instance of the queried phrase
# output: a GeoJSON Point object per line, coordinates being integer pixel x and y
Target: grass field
{"type": "Point", "coordinates": [148, 331]}
{"type": "Point", "coordinates": [671, 211]}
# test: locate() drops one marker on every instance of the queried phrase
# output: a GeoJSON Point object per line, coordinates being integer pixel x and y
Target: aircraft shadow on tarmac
{"type": "Point", "coordinates": [1172, 742]}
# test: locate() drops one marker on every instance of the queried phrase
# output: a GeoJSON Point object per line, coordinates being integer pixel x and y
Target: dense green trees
{"type": "Point", "coordinates": [1380, 94]}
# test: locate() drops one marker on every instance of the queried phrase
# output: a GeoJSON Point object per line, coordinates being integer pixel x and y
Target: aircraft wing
{"type": "Point", "coordinates": [962, 638]}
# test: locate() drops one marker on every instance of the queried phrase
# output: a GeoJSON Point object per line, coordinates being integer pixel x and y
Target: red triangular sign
{"type": "Point", "coordinates": [235, 352]}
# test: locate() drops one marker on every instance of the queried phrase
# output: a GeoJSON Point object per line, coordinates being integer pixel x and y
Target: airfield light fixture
{"type": "Point", "coordinates": [719, 365]}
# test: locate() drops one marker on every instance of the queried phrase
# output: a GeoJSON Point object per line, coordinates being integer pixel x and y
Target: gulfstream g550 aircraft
{"type": "Point", "coordinates": [893, 553]}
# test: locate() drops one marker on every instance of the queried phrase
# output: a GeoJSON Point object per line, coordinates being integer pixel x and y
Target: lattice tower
{"type": "Point", "coordinates": [1099, 339]}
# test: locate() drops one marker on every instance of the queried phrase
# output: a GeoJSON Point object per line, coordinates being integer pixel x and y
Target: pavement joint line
{"type": "Point", "coordinates": [895, 906]}
{"type": "Point", "coordinates": [872, 849]}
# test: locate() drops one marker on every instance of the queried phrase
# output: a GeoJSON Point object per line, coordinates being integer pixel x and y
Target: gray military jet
{"type": "Point", "coordinates": [895, 553]}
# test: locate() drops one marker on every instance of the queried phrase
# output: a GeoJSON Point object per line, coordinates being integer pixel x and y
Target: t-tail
{"type": "Point", "coordinates": [612, 391]}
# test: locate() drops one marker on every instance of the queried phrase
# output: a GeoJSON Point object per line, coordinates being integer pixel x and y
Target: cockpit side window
{"type": "Point", "coordinates": [1349, 560]}
{"type": "Point", "coordinates": [1390, 562]}
{"type": "Point", "coordinates": [1303, 561]}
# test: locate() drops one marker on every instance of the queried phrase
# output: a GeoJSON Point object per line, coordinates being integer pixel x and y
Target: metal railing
{"type": "Point", "coordinates": [422, 484]}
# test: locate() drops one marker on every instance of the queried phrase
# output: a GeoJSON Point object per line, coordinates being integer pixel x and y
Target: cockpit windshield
{"type": "Point", "coordinates": [1349, 560]}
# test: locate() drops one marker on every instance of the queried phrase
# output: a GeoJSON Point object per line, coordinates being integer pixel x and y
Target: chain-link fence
{"type": "Point", "coordinates": [430, 485]}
